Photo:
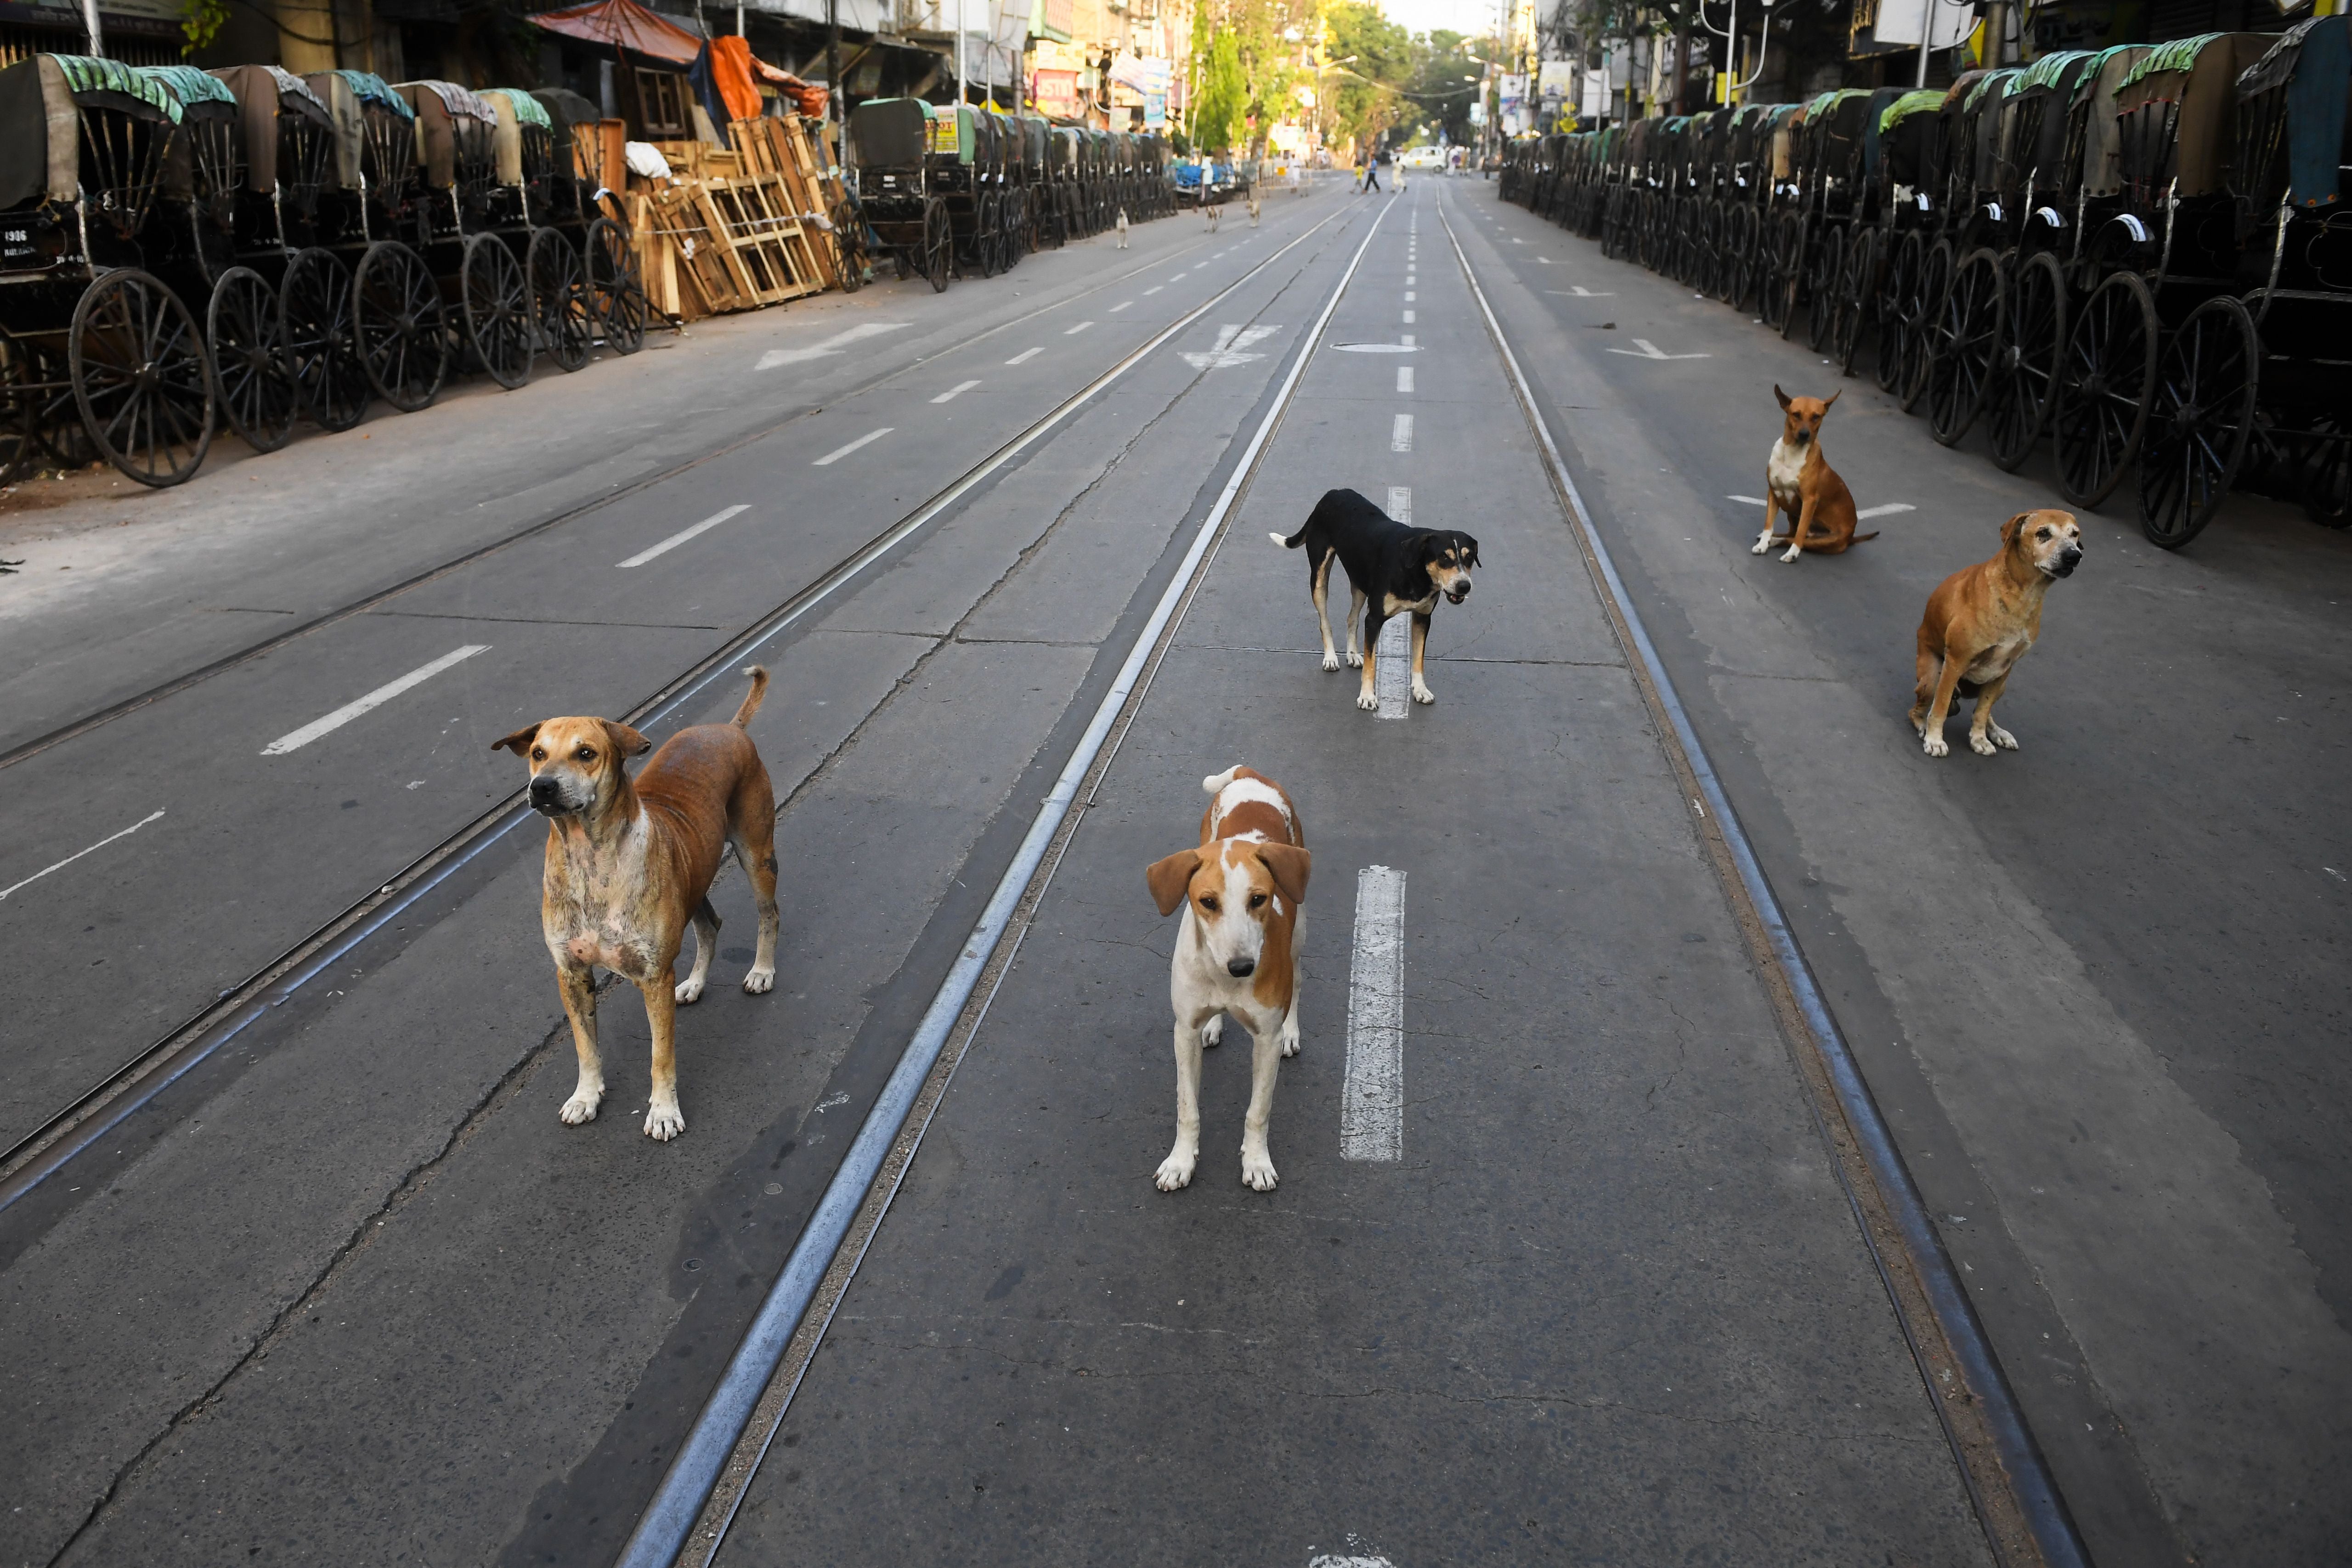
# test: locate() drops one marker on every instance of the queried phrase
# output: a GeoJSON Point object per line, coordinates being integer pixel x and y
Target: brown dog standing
{"type": "Point", "coordinates": [1981, 620]}
{"type": "Point", "coordinates": [630, 864]}
{"type": "Point", "coordinates": [1800, 481]}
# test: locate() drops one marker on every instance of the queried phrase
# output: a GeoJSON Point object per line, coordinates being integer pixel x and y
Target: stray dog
{"type": "Point", "coordinates": [1981, 621]}
{"type": "Point", "coordinates": [1122, 228]}
{"type": "Point", "coordinates": [630, 863]}
{"type": "Point", "coordinates": [1252, 206]}
{"type": "Point", "coordinates": [1800, 481]}
{"type": "Point", "coordinates": [1236, 952]}
{"type": "Point", "coordinates": [1390, 569]}
{"type": "Point", "coordinates": [1213, 210]}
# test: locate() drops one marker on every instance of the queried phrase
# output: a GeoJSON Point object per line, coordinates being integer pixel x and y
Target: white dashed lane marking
{"type": "Point", "coordinates": [1122, 305]}
{"type": "Point", "coordinates": [1072, 331]}
{"type": "Point", "coordinates": [840, 452]}
{"type": "Point", "coordinates": [1372, 1098]}
{"type": "Point", "coordinates": [681, 537]}
{"type": "Point", "coordinates": [294, 740]}
{"type": "Point", "coordinates": [1404, 378]}
{"type": "Point", "coordinates": [1401, 434]}
{"type": "Point", "coordinates": [1401, 505]}
{"type": "Point", "coordinates": [952, 392]}
{"type": "Point", "coordinates": [1025, 355]}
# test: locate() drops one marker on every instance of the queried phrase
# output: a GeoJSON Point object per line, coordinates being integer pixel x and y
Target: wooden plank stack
{"type": "Point", "coordinates": [741, 228]}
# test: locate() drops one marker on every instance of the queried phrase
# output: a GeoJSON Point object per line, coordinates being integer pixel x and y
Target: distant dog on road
{"type": "Point", "coordinates": [1980, 622]}
{"type": "Point", "coordinates": [1122, 228]}
{"type": "Point", "coordinates": [1800, 481]}
{"type": "Point", "coordinates": [1235, 954]}
{"type": "Point", "coordinates": [630, 863]}
{"type": "Point", "coordinates": [1390, 569]}
{"type": "Point", "coordinates": [1213, 211]}
{"type": "Point", "coordinates": [1252, 206]}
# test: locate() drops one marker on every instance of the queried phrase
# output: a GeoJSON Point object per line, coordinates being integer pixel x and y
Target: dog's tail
{"type": "Point", "coordinates": [1215, 783]}
{"type": "Point", "coordinates": [1858, 538]}
{"type": "Point", "coordinates": [1293, 542]}
{"type": "Point", "coordinates": [759, 674]}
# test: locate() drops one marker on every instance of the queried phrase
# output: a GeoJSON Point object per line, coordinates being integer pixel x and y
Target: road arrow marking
{"type": "Point", "coordinates": [830, 346]}
{"type": "Point", "coordinates": [1231, 341]}
{"type": "Point", "coordinates": [1645, 348]}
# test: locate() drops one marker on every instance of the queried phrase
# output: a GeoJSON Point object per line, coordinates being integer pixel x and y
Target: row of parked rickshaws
{"type": "Point", "coordinates": [955, 189]}
{"type": "Point", "coordinates": [2144, 253]}
{"type": "Point", "coordinates": [180, 249]}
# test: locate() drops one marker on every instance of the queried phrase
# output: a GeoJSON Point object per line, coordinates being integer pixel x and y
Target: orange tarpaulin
{"type": "Point", "coordinates": [731, 67]}
{"type": "Point", "coordinates": [624, 24]}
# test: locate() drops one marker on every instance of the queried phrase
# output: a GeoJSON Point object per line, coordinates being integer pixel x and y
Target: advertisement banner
{"type": "Point", "coordinates": [1143, 74]}
{"type": "Point", "coordinates": [1155, 111]}
{"type": "Point", "coordinates": [1595, 103]}
{"type": "Point", "coordinates": [1055, 93]}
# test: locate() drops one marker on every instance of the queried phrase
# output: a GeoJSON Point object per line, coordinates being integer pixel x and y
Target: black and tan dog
{"type": "Point", "coordinates": [629, 864]}
{"type": "Point", "coordinates": [1390, 569]}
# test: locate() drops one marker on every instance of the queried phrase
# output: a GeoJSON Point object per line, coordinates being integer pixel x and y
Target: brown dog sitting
{"type": "Point", "coordinates": [630, 863]}
{"type": "Point", "coordinates": [1981, 620]}
{"type": "Point", "coordinates": [1800, 481]}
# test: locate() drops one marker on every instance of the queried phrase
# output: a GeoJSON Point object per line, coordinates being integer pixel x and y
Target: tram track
{"type": "Point", "coordinates": [454, 864]}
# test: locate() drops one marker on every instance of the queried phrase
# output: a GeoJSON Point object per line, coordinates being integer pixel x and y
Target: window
{"type": "Point", "coordinates": [663, 96]}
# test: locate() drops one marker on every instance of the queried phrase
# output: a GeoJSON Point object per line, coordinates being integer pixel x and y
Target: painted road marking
{"type": "Point", "coordinates": [1153, 290]}
{"type": "Point", "coordinates": [952, 392]}
{"type": "Point", "coordinates": [1889, 510]}
{"type": "Point", "coordinates": [1024, 356]}
{"type": "Point", "coordinates": [80, 853]}
{"type": "Point", "coordinates": [1645, 348]}
{"type": "Point", "coordinates": [295, 740]}
{"type": "Point", "coordinates": [1401, 507]}
{"type": "Point", "coordinates": [1371, 1099]}
{"type": "Point", "coordinates": [681, 536]}
{"type": "Point", "coordinates": [1393, 670]}
{"type": "Point", "coordinates": [1545, 259]}
{"type": "Point", "coordinates": [1122, 305]}
{"type": "Point", "coordinates": [1073, 331]}
{"type": "Point", "coordinates": [1409, 296]}
{"type": "Point", "coordinates": [1406, 338]}
{"type": "Point", "coordinates": [1408, 318]}
{"type": "Point", "coordinates": [840, 452]}
{"type": "Point", "coordinates": [1578, 291]}
{"type": "Point", "coordinates": [1404, 378]}
{"type": "Point", "coordinates": [1402, 348]}
{"type": "Point", "coordinates": [1401, 434]}
{"type": "Point", "coordinates": [1231, 343]}
{"type": "Point", "coordinates": [830, 346]}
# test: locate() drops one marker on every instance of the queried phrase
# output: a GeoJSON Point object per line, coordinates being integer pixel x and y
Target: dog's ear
{"type": "Point", "coordinates": [1469, 549]}
{"type": "Point", "coordinates": [1170, 880]}
{"type": "Point", "coordinates": [625, 741]}
{"type": "Point", "coordinates": [1832, 398]}
{"type": "Point", "coordinates": [1288, 865]}
{"type": "Point", "coordinates": [518, 743]}
{"type": "Point", "coordinates": [2008, 530]}
{"type": "Point", "coordinates": [1781, 395]}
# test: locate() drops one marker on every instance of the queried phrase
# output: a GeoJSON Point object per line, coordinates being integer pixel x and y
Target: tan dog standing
{"type": "Point", "coordinates": [630, 863]}
{"type": "Point", "coordinates": [1235, 954]}
{"type": "Point", "coordinates": [1981, 621]}
{"type": "Point", "coordinates": [1800, 481]}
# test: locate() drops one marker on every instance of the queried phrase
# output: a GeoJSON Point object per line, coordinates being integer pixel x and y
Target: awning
{"type": "Point", "coordinates": [624, 25]}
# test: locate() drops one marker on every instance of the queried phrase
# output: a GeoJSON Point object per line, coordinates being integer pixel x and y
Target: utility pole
{"type": "Point", "coordinates": [1681, 55]}
{"type": "Point", "coordinates": [89, 24]}
{"type": "Point", "coordinates": [960, 88]}
{"type": "Point", "coordinates": [835, 89]}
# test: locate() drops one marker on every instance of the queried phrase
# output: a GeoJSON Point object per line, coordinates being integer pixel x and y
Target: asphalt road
{"type": "Point", "coordinates": [348, 1290]}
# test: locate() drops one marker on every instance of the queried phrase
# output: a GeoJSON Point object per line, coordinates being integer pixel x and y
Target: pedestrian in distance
{"type": "Point", "coordinates": [1372, 175]}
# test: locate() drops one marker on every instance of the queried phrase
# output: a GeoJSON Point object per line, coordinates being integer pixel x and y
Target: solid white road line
{"type": "Point", "coordinates": [80, 853]}
{"type": "Point", "coordinates": [1401, 434]}
{"type": "Point", "coordinates": [294, 740]}
{"type": "Point", "coordinates": [1073, 331]}
{"type": "Point", "coordinates": [1372, 1098]}
{"type": "Point", "coordinates": [1889, 510]}
{"type": "Point", "coordinates": [1393, 671]}
{"type": "Point", "coordinates": [840, 452]}
{"type": "Point", "coordinates": [952, 392]}
{"type": "Point", "coordinates": [1404, 378]}
{"type": "Point", "coordinates": [1024, 356]}
{"type": "Point", "coordinates": [681, 537]}
{"type": "Point", "coordinates": [1752, 501]}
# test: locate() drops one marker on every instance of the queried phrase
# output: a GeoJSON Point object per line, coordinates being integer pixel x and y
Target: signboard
{"type": "Point", "coordinates": [1055, 93]}
{"type": "Point", "coordinates": [1155, 111]}
{"type": "Point", "coordinates": [1144, 74]}
{"type": "Point", "coordinates": [1902, 22]}
{"type": "Point", "coordinates": [1595, 102]}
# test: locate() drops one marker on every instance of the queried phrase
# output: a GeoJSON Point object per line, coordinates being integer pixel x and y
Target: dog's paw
{"type": "Point", "coordinates": [2001, 738]}
{"type": "Point", "coordinates": [1422, 693]}
{"type": "Point", "coordinates": [1290, 1043]}
{"type": "Point", "coordinates": [581, 1107]}
{"type": "Point", "coordinates": [689, 991]}
{"type": "Point", "coordinates": [664, 1121]}
{"type": "Point", "coordinates": [1368, 701]}
{"type": "Point", "coordinates": [1935, 745]}
{"type": "Point", "coordinates": [760, 982]}
{"type": "Point", "coordinates": [1759, 547]}
{"type": "Point", "coordinates": [1981, 743]}
{"type": "Point", "coordinates": [1330, 662]}
{"type": "Point", "coordinates": [1257, 1171]}
{"type": "Point", "coordinates": [1175, 1171]}
{"type": "Point", "coordinates": [1212, 1031]}
{"type": "Point", "coordinates": [1793, 551]}
{"type": "Point", "coordinates": [1355, 660]}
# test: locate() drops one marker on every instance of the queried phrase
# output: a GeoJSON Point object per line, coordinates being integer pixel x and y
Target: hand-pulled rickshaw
{"type": "Point", "coordinates": [617, 308]}
{"type": "Point", "coordinates": [462, 202]}
{"type": "Point", "coordinates": [890, 139]}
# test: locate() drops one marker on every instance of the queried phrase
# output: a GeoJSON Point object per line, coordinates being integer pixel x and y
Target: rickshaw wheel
{"type": "Point", "coordinates": [938, 244]}
{"type": "Point", "coordinates": [1827, 272]}
{"type": "Point", "coordinates": [20, 441]}
{"type": "Point", "coordinates": [559, 299]}
{"type": "Point", "coordinates": [2325, 475]}
{"type": "Point", "coordinates": [495, 297]}
{"type": "Point", "coordinates": [983, 238]}
{"type": "Point", "coordinates": [1921, 344]}
{"type": "Point", "coordinates": [403, 336]}
{"type": "Point", "coordinates": [615, 293]}
{"type": "Point", "coordinates": [2101, 412]}
{"type": "Point", "coordinates": [314, 300]}
{"type": "Point", "coordinates": [247, 338]}
{"type": "Point", "coordinates": [2034, 338]}
{"type": "Point", "coordinates": [141, 379]}
{"type": "Point", "coordinates": [849, 245]}
{"type": "Point", "coordinates": [1857, 292]}
{"type": "Point", "coordinates": [2200, 411]}
{"type": "Point", "coordinates": [1896, 322]}
{"type": "Point", "coordinates": [1968, 348]}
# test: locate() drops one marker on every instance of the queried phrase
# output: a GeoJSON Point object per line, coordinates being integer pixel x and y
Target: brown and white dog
{"type": "Point", "coordinates": [1981, 621]}
{"type": "Point", "coordinates": [629, 863]}
{"type": "Point", "coordinates": [1800, 481]}
{"type": "Point", "coordinates": [1236, 954]}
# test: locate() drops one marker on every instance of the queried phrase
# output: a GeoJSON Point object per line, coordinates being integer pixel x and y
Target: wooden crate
{"type": "Point", "coordinates": [762, 243]}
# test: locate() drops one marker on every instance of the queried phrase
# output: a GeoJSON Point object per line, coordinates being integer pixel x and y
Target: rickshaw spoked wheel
{"type": "Point", "coordinates": [2325, 474]}
{"type": "Point", "coordinates": [615, 293]}
{"type": "Point", "coordinates": [849, 245]}
{"type": "Point", "coordinates": [1828, 272]}
{"type": "Point", "coordinates": [20, 440]}
{"type": "Point", "coordinates": [2033, 335]}
{"type": "Point", "coordinates": [1967, 347]}
{"type": "Point", "coordinates": [1857, 292]}
{"type": "Point", "coordinates": [559, 298]}
{"type": "Point", "coordinates": [2200, 413]}
{"type": "Point", "coordinates": [983, 238]}
{"type": "Point", "coordinates": [403, 336]}
{"type": "Point", "coordinates": [314, 300]}
{"type": "Point", "coordinates": [252, 376]}
{"type": "Point", "coordinates": [938, 244]}
{"type": "Point", "coordinates": [1926, 336]}
{"type": "Point", "coordinates": [2103, 381]}
{"type": "Point", "coordinates": [496, 296]}
{"type": "Point", "coordinates": [1895, 314]}
{"type": "Point", "coordinates": [141, 379]}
